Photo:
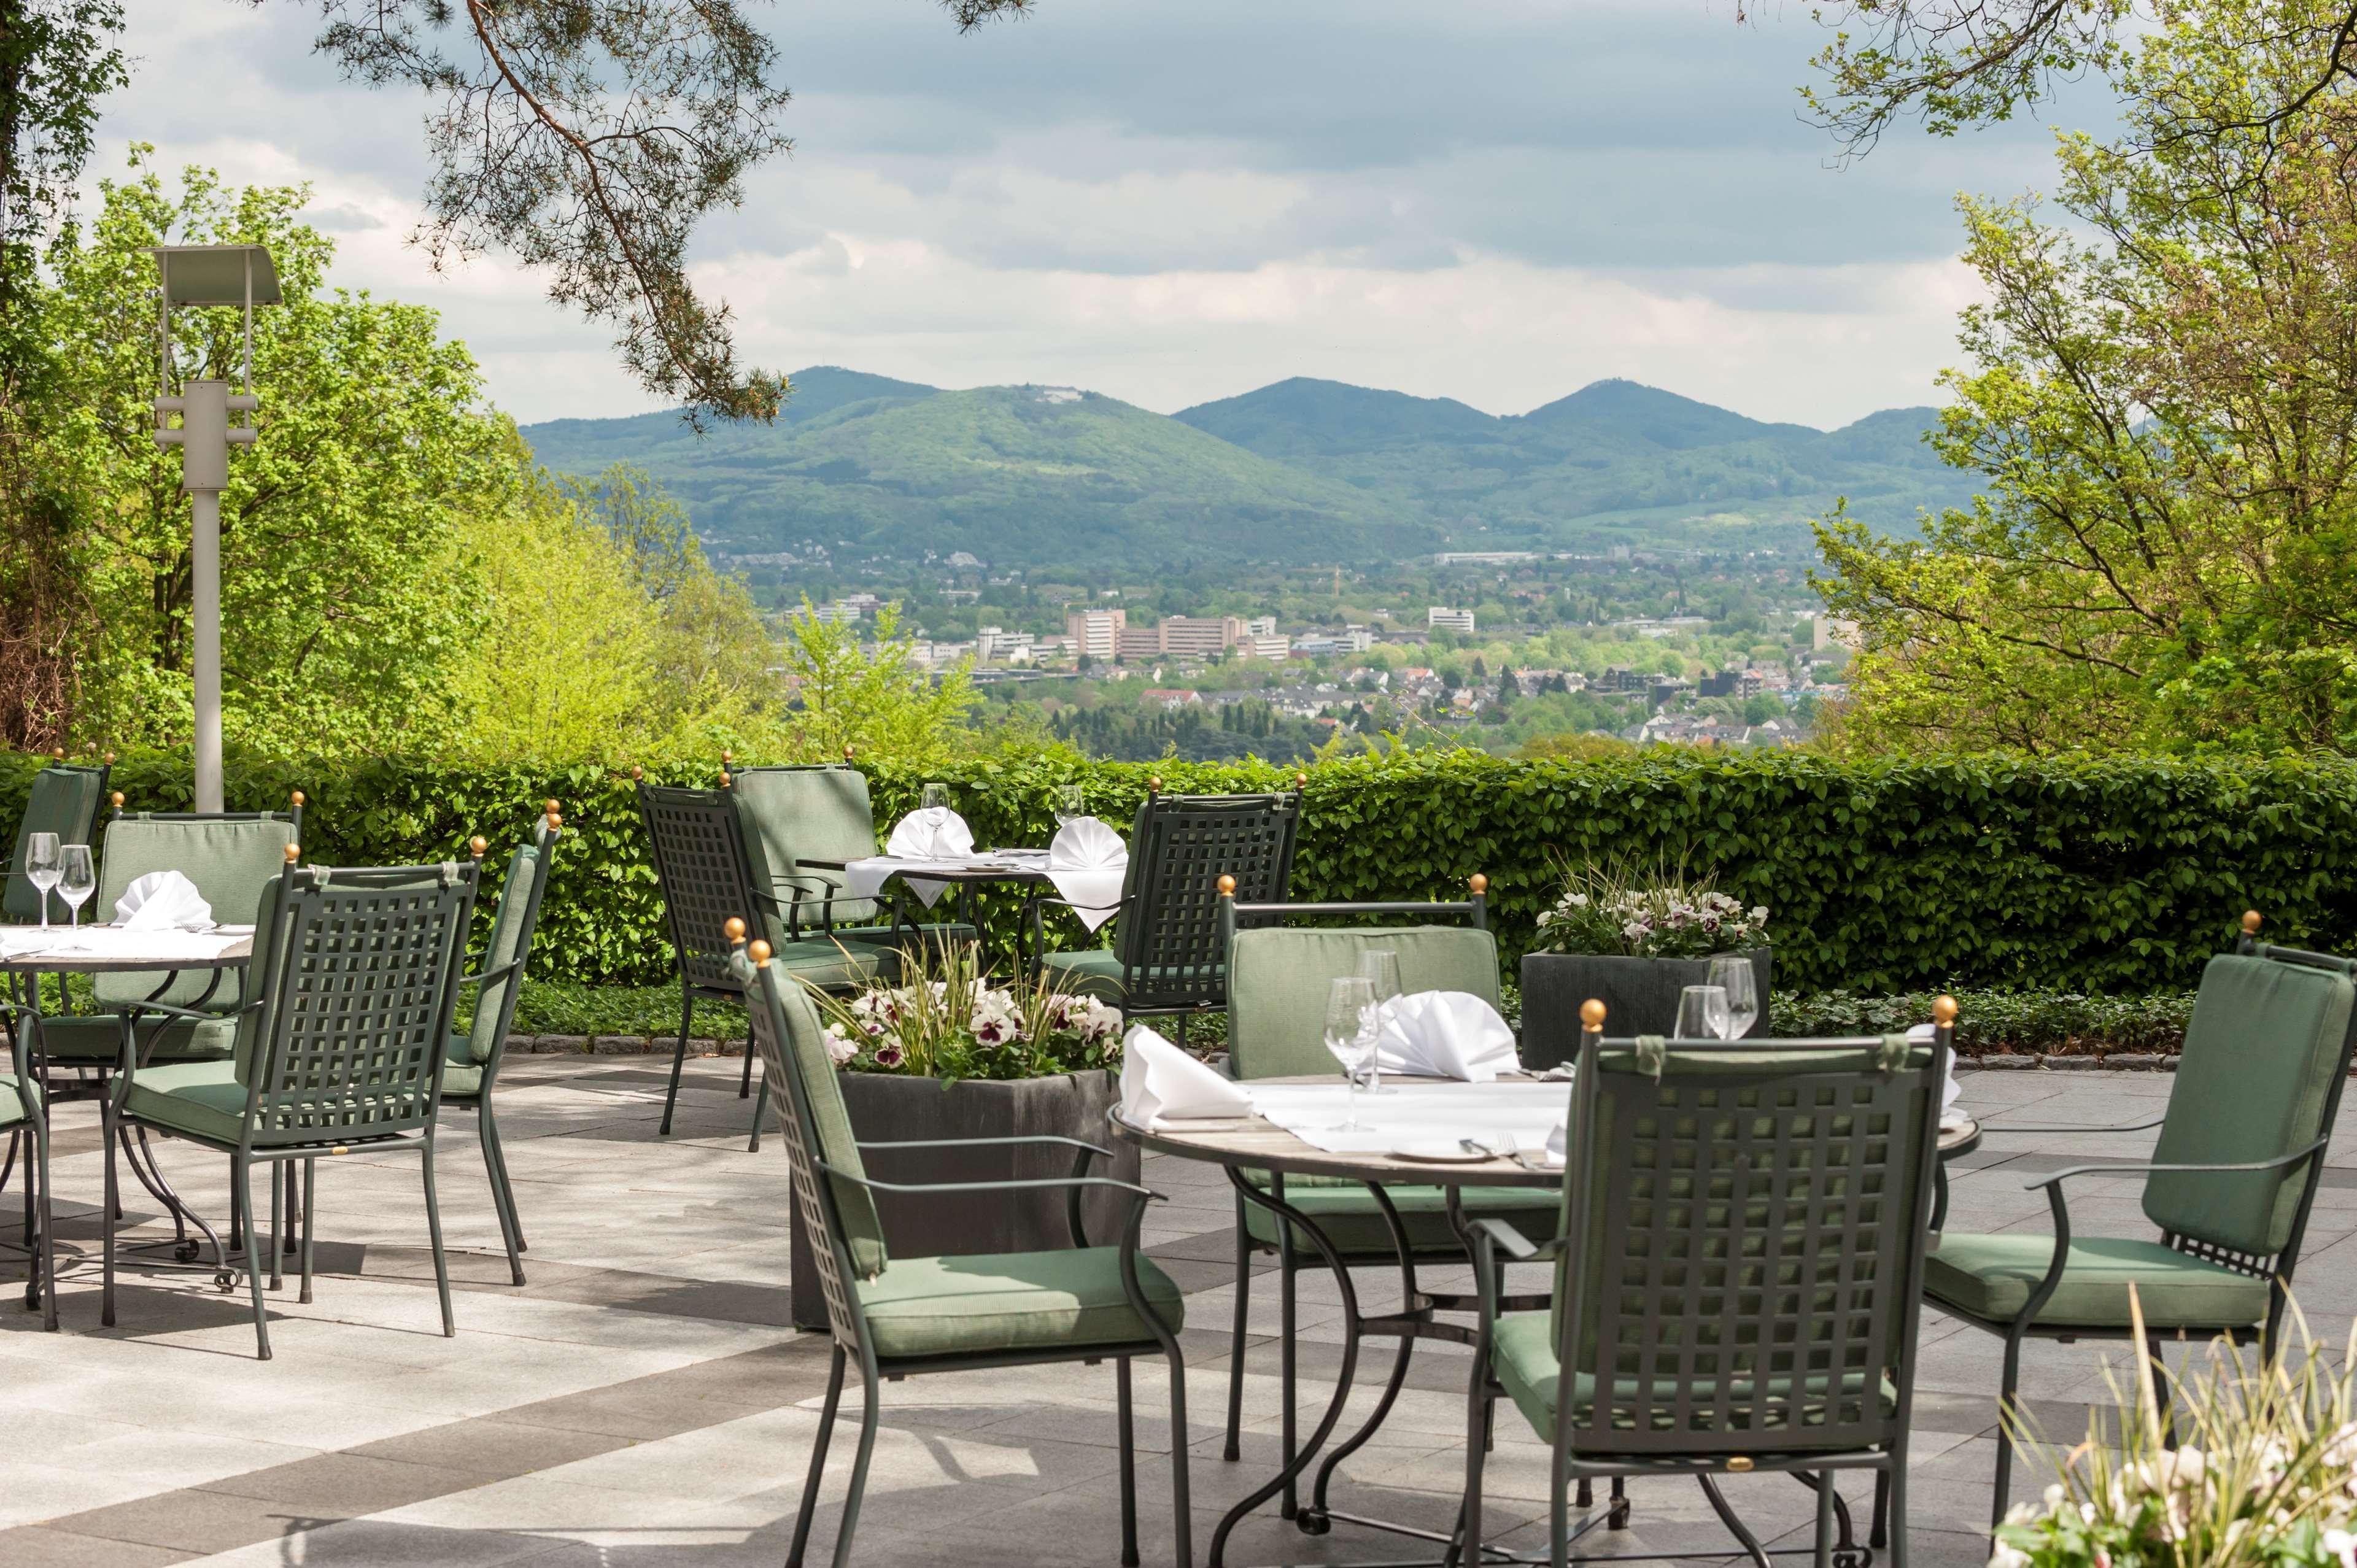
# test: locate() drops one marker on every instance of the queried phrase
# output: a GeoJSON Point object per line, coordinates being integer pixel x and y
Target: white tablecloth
{"type": "Point", "coordinates": [1427, 1118]}
{"type": "Point", "coordinates": [866, 879]}
{"type": "Point", "coordinates": [165, 948]}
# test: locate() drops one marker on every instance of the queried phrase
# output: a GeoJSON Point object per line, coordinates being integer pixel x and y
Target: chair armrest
{"type": "Point", "coordinates": [1518, 1247]}
{"type": "Point", "coordinates": [490, 974]}
{"type": "Point", "coordinates": [987, 1143]}
{"type": "Point", "coordinates": [2148, 1167]}
{"type": "Point", "coordinates": [876, 1185]}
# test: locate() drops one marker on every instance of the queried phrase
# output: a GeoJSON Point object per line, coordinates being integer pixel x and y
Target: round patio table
{"type": "Point", "coordinates": [98, 950]}
{"type": "Point", "coordinates": [1251, 1143]}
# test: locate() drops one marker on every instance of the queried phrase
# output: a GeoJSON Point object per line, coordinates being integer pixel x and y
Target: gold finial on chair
{"type": "Point", "coordinates": [759, 954]}
{"type": "Point", "coordinates": [57, 754]}
{"type": "Point", "coordinates": [555, 822]}
{"type": "Point", "coordinates": [548, 807]}
{"type": "Point", "coordinates": [118, 799]}
{"type": "Point", "coordinates": [294, 853]}
{"type": "Point", "coordinates": [727, 759]}
{"type": "Point", "coordinates": [733, 928]}
{"type": "Point", "coordinates": [110, 759]}
{"type": "Point", "coordinates": [846, 751]}
{"type": "Point", "coordinates": [479, 846]}
{"type": "Point", "coordinates": [725, 779]}
{"type": "Point", "coordinates": [1591, 1016]}
{"type": "Point", "coordinates": [637, 772]}
{"type": "Point", "coordinates": [1943, 1011]}
{"type": "Point", "coordinates": [1479, 883]}
{"type": "Point", "coordinates": [296, 798]}
{"type": "Point", "coordinates": [1301, 780]}
{"type": "Point", "coordinates": [1227, 885]}
{"type": "Point", "coordinates": [2250, 922]}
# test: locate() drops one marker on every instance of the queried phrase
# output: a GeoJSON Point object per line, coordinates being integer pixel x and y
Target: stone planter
{"type": "Point", "coordinates": [888, 1109]}
{"type": "Point", "coordinates": [1639, 997]}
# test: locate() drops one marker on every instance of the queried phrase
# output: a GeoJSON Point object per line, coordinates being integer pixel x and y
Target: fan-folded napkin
{"type": "Point", "coordinates": [930, 833]}
{"type": "Point", "coordinates": [1162, 1085]}
{"type": "Point", "coordinates": [1087, 862]}
{"type": "Point", "coordinates": [1444, 1034]}
{"type": "Point", "coordinates": [162, 901]}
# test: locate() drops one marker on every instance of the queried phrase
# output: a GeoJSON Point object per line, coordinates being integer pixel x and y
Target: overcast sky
{"type": "Point", "coordinates": [1176, 200]}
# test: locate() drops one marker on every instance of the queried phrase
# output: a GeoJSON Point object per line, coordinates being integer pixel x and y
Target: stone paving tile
{"type": "Point", "coordinates": [640, 1403]}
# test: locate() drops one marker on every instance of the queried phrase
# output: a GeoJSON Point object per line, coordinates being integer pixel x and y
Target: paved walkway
{"type": "Point", "coordinates": [638, 1405]}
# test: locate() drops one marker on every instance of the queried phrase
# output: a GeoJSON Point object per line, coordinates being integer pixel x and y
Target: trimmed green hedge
{"type": "Point", "coordinates": [2102, 875]}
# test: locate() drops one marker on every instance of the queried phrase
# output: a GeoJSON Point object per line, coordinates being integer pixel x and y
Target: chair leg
{"type": "Point", "coordinates": [1878, 1533]}
{"type": "Point", "coordinates": [433, 1239]}
{"type": "Point", "coordinates": [818, 1461]}
{"type": "Point", "coordinates": [241, 1184]}
{"type": "Point", "coordinates": [745, 1084]}
{"type": "Point", "coordinates": [1558, 1515]}
{"type": "Point", "coordinates": [1125, 1421]}
{"type": "Point", "coordinates": [868, 1419]}
{"type": "Point", "coordinates": [678, 1059]}
{"type": "Point", "coordinates": [109, 1212]}
{"type": "Point", "coordinates": [1286, 1272]}
{"type": "Point", "coordinates": [1734, 1522]}
{"type": "Point", "coordinates": [1476, 1421]}
{"type": "Point", "coordinates": [1183, 1506]}
{"type": "Point", "coordinates": [502, 1200]}
{"type": "Point", "coordinates": [2009, 1381]}
{"type": "Point", "coordinates": [1824, 1519]}
{"type": "Point", "coordinates": [310, 1203]}
{"type": "Point", "coordinates": [278, 1170]}
{"type": "Point", "coordinates": [49, 1259]}
{"type": "Point", "coordinates": [1236, 1340]}
{"type": "Point", "coordinates": [1896, 1479]}
{"type": "Point", "coordinates": [760, 1102]}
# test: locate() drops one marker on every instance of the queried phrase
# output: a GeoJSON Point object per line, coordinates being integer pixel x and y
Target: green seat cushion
{"type": "Point", "coordinates": [1011, 1301]}
{"type": "Point", "coordinates": [926, 938]}
{"type": "Point", "coordinates": [1990, 1277]}
{"type": "Point", "coordinates": [13, 1096]}
{"type": "Point", "coordinates": [1092, 971]}
{"type": "Point", "coordinates": [1353, 1222]}
{"type": "Point", "coordinates": [203, 1098]}
{"type": "Point", "coordinates": [98, 1037]}
{"type": "Point", "coordinates": [1279, 977]}
{"type": "Point", "coordinates": [1522, 1352]}
{"type": "Point", "coordinates": [832, 967]}
{"type": "Point", "coordinates": [462, 1075]}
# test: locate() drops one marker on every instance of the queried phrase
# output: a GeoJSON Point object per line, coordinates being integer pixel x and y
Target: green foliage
{"type": "Point", "coordinates": [859, 701]}
{"type": "Point", "coordinates": [2025, 1023]}
{"type": "Point", "coordinates": [2108, 875]}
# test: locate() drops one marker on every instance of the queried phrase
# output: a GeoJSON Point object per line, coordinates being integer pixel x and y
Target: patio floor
{"type": "Point", "coordinates": [639, 1405]}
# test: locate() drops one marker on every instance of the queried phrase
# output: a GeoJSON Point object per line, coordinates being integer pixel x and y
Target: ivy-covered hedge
{"type": "Point", "coordinates": [2105, 876]}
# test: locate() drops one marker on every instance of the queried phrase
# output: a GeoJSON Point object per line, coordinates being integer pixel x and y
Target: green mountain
{"type": "Point", "coordinates": [1302, 471]}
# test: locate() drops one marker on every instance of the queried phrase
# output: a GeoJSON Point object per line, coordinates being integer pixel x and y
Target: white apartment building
{"type": "Point", "coordinates": [1437, 618]}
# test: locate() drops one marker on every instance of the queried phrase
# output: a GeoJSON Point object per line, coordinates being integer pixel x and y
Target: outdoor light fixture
{"type": "Point", "coordinates": [241, 276]}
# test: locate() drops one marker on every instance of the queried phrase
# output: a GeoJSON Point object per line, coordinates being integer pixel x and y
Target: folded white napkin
{"type": "Point", "coordinates": [1558, 1146]}
{"type": "Point", "coordinates": [1951, 1113]}
{"type": "Point", "coordinates": [1444, 1034]}
{"type": "Point", "coordinates": [1162, 1085]}
{"type": "Point", "coordinates": [1087, 862]}
{"type": "Point", "coordinates": [162, 901]}
{"type": "Point", "coordinates": [933, 833]}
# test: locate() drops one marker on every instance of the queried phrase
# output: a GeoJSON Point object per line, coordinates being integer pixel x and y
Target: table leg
{"type": "Point", "coordinates": [1286, 1215]}
{"type": "Point", "coordinates": [1415, 1307]}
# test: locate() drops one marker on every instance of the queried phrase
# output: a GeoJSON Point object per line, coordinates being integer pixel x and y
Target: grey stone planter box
{"type": "Point", "coordinates": [1639, 997]}
{"type": "Point", "coordinates": [889, 1109]}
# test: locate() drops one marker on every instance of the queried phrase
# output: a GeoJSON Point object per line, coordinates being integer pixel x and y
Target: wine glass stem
{"type": "Point", "coordinates": [1350, 1101]}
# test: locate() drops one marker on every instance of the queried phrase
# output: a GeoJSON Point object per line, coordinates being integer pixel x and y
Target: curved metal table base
{"type": "Point", "coordinates": [1417, 1319]}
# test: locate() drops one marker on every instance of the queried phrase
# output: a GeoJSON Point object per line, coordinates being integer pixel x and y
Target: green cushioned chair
{"type": "Point", "coordinates": [801, 824]}
{"type": "Point", "coordinates": [1169, 956]}
{"type": "Point", "coordinates": [1738, 1277]}
{"type": "Point", "coordinates": [900, 1317]}
{"type": "Point", "coordinates": [24, 1117]}
{"type": "Point", "coordinates": [64, 800]}
{"type": "Point", "coordinates": [703, 842]}
{"type": "Point", "coordinates": [1278, 977]}
{"type": "Point", "coordinates": [2228, 1185]}
{"type": "Point", "coordinates": [471, 1060]}
{"type": "Point", "coordinates": [342, 1042]}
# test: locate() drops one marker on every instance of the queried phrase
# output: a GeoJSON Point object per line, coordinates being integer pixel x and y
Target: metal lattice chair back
{"type": "Point", "coordinates": [1747, 1232]}
{"type": "Point", "coordinates": [361, 969]}
{"type": "Point", "coordinates": [1172, 941]}
{"type": "Point", "coordinates": [779, 1013]}
{"type": "Point", "coordinates": [699, 853]}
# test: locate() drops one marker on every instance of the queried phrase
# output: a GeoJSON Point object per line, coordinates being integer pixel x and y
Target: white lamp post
{"type": "Point", "coordinates": [241, 276]}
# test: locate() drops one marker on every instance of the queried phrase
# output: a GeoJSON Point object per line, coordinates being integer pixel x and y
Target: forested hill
{"type": "Point", "coordinates": [1300, 471]}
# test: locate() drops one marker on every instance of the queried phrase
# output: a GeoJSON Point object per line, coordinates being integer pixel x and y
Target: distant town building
{"type": "Point", "coordinates": [1096, 633]}
{"type": "Point", "coordinates": [1171, 698]}
{"type": "Point", "coordinates": [1260, 626]}
{"type": "Point", "coordinates": [1137, 642]}
{"type": "Point", "coordinates": [1439, 618]}
{"type": "Point", "coordinates": [1272, 644]}
{"type": "Point", "coordinates": [1832, 631]}
{"type": "Point", "coordinates": [962, 559]}
{"type": "Point", "coordinates": [837, 614]}
{"type": "Point", "coordinates": [1200, 635]}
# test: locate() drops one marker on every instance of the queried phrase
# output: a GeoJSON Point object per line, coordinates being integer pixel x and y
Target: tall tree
{"type": "Point", "coordinates": [2163, 405]}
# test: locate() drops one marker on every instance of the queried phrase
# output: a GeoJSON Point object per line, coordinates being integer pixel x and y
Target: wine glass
{"type": "Point", "coordinates": [1379, 967]}
{"type": "Point", "coordinates": [936, 796]}
{"type": "Point", "coordinates": [77, 880]}
{"type": "Point", "coordinates": [1071, 804]}
{"type": "Point", "coordinates": [1350, 1034]}
{"type": "Point", "coordinates": [41, 869]}
{"type": "Point", "coordinates": [1701, 1013]}
{"type": "Point", "coordinates": [1733, 973]}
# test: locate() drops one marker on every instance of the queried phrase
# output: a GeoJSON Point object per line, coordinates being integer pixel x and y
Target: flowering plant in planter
{"type": "Point", "coordinates": [948, 1019]}
{"type": "Point", "coordinates": [2264, 1475]}
{"type": "Point", "coordinates": [1613, 911]}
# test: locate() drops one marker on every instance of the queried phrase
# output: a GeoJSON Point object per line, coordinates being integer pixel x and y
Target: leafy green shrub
{"type": "Point", "coordinates": [2112, 875]}
{"type": "Point", "coordinates": [2027, 1022]}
